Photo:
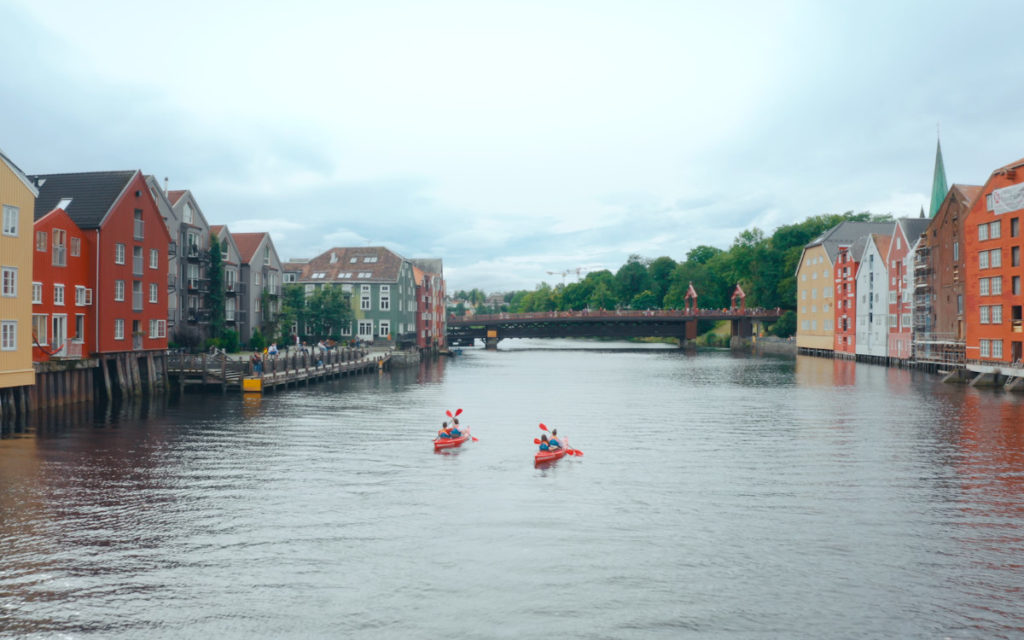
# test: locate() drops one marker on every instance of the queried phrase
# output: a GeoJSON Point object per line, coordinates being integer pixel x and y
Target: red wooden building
{"type": "Point", "coordinates": [992, 283]}
{"type": "Point", "coordinates": [900, 263]}
{"type": "Point", "coordinates": [62, 289]}
{"type": "Point", "coordinates": [128, 242]}
{"type": "Point", "coordinates": [847, 263]}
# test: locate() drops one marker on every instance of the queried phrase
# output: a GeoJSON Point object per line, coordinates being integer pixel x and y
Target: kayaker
{"type": "Point", "coordinates": [544, 446]}
{"type": "Point", "coordinates": [553, 442]}
{"type": "Point", "coordinates": [443, 433]}
{"type": "Point", "coordinates": [454, 432]}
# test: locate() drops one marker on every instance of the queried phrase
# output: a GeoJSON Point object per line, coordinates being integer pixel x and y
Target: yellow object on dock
{"type": "Point", "coordinates": [252, 385]}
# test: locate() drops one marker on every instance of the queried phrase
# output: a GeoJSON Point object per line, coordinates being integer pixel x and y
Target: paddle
{"type": "Point", "coordinates": [543, 427]}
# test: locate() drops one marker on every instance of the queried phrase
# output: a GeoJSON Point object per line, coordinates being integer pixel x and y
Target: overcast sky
{"type": "Point", "coordinates": [516, 138]}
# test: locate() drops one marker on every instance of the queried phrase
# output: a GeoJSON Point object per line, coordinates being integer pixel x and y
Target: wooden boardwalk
{"type": "Point", "coordinates": [203, 372]}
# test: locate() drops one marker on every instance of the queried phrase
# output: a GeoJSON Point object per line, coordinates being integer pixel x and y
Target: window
{"type": "Point", "coordinates": [994, 230]}
{"type": "Point", "coordinates": [153, 295]}
{"type": "Point", "coordinates": [997, 348]}
{"type": "Point", "coordinates": [60, 252]}
{"type": "Point", "coordinates": [385, 297]}
{"type": "Point", "coordinates": [956, 251]}
{"type": "Point", "coordinates": [366, 329]}
{"type": "Point", "coordinates": [76, 247]}
{"type": "Point", "coordinates": [365, 274]}
{"type": "Point", "coordinates": [996, 315]}
{"type": "Point", "coordinates": [353, 260]}
{"type": "Point", "coordinates": [384, 330]}
{"type": "Point", "coordinates": [983, 259]}
{"type": "Point", "coordinates": [892, 320]}
{"type": "Point", "coordinates": [187, 215]}
{"type": "Point", "coordinates": [892, 297]}
{"type": "Point", "coordinates": [119, 253]}
{"type": "Point", "coordinates": [905, 320]}
{"type": "Point", "coordinates": [136, 295]}
{"type": "Point", "coordinates": [988, 202]}
{"type": "Point", "coordinates": [139, 225]}
{"type": "Point", "coordinates": [8, 328]}
{"type": "Point", "coordinates": [9, 287]}
{"type": "Point", "coordinates": [83, 296]}
{"type": "Point", "coordinates": [982, 232]}
{"type": "Point", "coordinates": [1014, 227]}
{"type": "Point", "coordinates": [983, 315]}
{"type": "Point", "coordinates": [344, 274]}
{"type": "Point", "coordinates": [11, 220]}
{"type": "Point", "coordinates": [137, 266]}
{"type": "Point", "coordinates": [364, 297]}
{"type": "Point", "coordinates": [960, 304]}
{"type": "Point", "coordinates": [995, 257]}
{"type": "Point", "coordinates": [118, 290]}
{"type": "Point", "coordinates": [1016, 285]}
{"type": "Point", "coordinates": [984, 348]}
{"type": "Point", "coordinates": [983, 287]}
{"type": "Point", "coordinates": [79, 327]}
{"type": "Point", "coordinates": [37, 293]}
{"type": "Point", "coordinates": [1015, 257]}
{"type": "Point", "coordinates": [41, 241]}
{"type": "Point", "coordinates": [154, 259]}
{"type": "Point", "coordinates": [119, 329]}
{"type": "Point", "coordinates": [58, 294]}
{"type": "Point", "coordinates": [39, 325]}
{"type": "Point", "coordinates": [997, 285]}
{"type": "Point", "coordinates": [370, 259]}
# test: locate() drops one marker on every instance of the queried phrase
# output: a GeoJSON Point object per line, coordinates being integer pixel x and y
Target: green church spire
{"type": "Point", "coordinates": [939, 187]}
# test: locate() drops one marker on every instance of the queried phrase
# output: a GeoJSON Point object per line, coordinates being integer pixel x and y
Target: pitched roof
{"type": "Point", "coordinates": [382, 265]}
{"type": "Point", "coordinates": [913, 228]}
{"type": "Point", "coordinates": [882, 241]}
{"type": "Point", "coordinates": [429, 265]}
{"type": "Point", "coordinates": [248, 243]}
{"type": "Point", "coordinates": [857, 248]}
{"type": "Point", "coordinates": [969, 192]}
{"type": "Point", "coordinates": [19, 174]}
{"type": "Point", "coordinates": [92, 194]}
{"type": "Point", "coordinates": [175, 194]}
{"type": "Point", "coordinates": [215, 229]}
{"type": "Point", "coordinates": [845, 234]}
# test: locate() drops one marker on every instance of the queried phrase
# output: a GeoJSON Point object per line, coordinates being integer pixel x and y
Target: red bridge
{"type": "Point", "coordinates": [670, 323]}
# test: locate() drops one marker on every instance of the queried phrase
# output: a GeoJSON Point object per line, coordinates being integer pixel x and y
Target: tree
{"type": "Point", "coordinates": [602, 297]}
{"type": "Point", "coordinates": [328, 311]}
{"type": "Point", "coordinates": [660, 270]}
{"type": "Point", "coordinates": [293, 308]}
{"type": "Point", "coordinates": [785, 326]}
{"type": "Point", "coordinates": [644, 300]}
{"type": "Point", "coordinates": [216, 294]}
{"type": "Point", "coordinates": [631, 279]}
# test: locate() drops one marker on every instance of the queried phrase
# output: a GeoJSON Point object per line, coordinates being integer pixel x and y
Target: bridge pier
{"type": "Point", "coordinates": [689, 333]}
{"type": "Point", "coordinates": [491, 341]}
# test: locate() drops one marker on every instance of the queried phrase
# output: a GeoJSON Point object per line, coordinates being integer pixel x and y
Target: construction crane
{"type": "Point", "coordinates": [577, 270]}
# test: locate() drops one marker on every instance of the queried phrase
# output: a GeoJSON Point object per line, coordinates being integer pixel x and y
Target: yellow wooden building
{"type": "Point", "coordinates": [17, 200]}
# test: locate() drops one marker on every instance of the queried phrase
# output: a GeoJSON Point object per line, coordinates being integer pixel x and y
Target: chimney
{"type": "Point", "coordinates": [165, 185]}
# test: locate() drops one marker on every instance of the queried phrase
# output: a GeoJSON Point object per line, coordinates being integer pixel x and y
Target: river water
{"type": "Point", "coordinates": [719, 496]}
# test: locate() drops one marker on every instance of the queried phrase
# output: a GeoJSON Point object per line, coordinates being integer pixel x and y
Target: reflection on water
{"type": "Point", "coordinates": [721, 495]}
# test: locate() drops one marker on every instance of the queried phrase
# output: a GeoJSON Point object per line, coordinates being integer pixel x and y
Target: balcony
{"type": "Point", "coordinates": [197, 315]}
{"type": "Point", "coordinates": [172, 282]}
{"type": "Point", "coordinates": [193, 252]}
{"type": "Point", "coordinates": [231, 288]}
{"type": "Point", "coordinates": [200, 285]}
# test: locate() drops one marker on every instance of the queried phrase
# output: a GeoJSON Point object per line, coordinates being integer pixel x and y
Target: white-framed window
{"type": "Point", "coordinates": [186, 215]}
{"type": "Point", "coordinates": [58, 295]}
{"type": "Point", "coordinates": [119, 253]}
{"type": "Point", "coordinates": [983, 260]}
{"type": "Point", "coordinates": [995, 257]}
{"type": "Point", "coordinates": [997, 285]}
{"type": "Point", "coordinates": [365, 274]}
{"type": "Point", "coordinates": [983, 287]}
{"type": "Point", "coordinates": [9, 281]}
{"type": "Point", "coordinates": [892, 297]}
{"type": "Point", "coordinates": [384, 329]}
{"type": "Point", "coordinates": [984, 348]}
{"type": "Point", "coordinates": [40, 322]}
{"type": "Point", "coordinates": [154, 259]}
{"type": "Point", "coordinates": [60, 249]}
{"type": "Point", "coordinates": [11, 214]}
{"type": "Point", "coordinates": [153, 293]}
{"type": "Point", "coordinates": [385, 297]}
{"type": "Point", "coordinates": [83, 296]}
{"type": "Point", "coordinates": [366, 329]}
{"type": "Point", "coordinates": [118, 290]}
{"type": "Point", "coordinates": [997, 348]}
{"type": "Point", "coordinates": [892, 320]}
{"type": "Point", "coordinates": [364, 297]}
{"type": "Point", "coordinates": [37, 293]}
{"type": "Point", "coordinates": [993, 230]}
{"type": "Point", "coordinates": [119, 329]}
{"type": "Point", "coordinates": [997, 314]}
{"type": "Point", "coordinates": [983, 314]}
{"type": "Point", "coordinates": [8, 329]}
{"type": "Point", "coordinates": [76, 246]}
{"type": "Point", "coordinates": [983, 231]}
{"type": "Point", "coordinates": [139, 227]}
{"type": "Point", "coordinates": [905, 319]}
{"type": "Point", "coordinates": [79, 328]}
{"type": "Point", "coordinates": [41, 241]}
{"type": "Point", "coordinates": [157, 328]}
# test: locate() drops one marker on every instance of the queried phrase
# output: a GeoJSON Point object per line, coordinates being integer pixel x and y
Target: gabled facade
{"type": "Point", "coordinates": [431, 321]}
{"type": "Point", "coordinates": [993, 272]}
{"type": "Point", "coordinates": [17, 208]}
{"type": "Point", "coordinates": [382, 288]}
{"type": "Point", "coordinates": [260, 275]}
{"type": "Point", "coordinates": [872, 324]}
{"type": "Point", "coordinates": [939, 271]}
{"type": "Point", "coordinates": [173, 223]}
{"type": "Point", "coordinates": [816, 283]}
{"type": "Point", "coordinates": [129, 241]}
{"type": "Point", "coordinates": [900, 262]}
{"type": "Point", "coordinates": [847, 263]}
{"type": "Point", "coordinates": [63, 313]}
{"type": "Point", "coordinates": [234, 289]}
{"type": "Point", "coordinates": [193, 243]}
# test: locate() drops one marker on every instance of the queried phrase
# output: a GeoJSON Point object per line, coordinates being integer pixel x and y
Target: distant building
{"type": "Point", "coordinates": [872, 309]}
{"type": "Point", "coordinates": [906, 234]}
{"type": "Point", "coordinates": [847, 264]}
{"type": "Point", "coordinates": [63, 313]}
{"type": "Point", "coordinates": [260, 275]}
{"type": "Point", "coordinates": [235, 315]}
{"type": "Point", "coordinates": [431, 320]}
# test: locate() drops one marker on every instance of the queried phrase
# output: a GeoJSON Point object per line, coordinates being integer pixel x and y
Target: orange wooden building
{"type": "Point", "coordinates": [62, 289]}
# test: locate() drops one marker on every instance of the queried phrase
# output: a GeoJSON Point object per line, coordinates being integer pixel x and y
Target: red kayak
{"type": "Point", "coordinates": [551, 454]}
{"type": "Point", "coordinates": [448, 443]}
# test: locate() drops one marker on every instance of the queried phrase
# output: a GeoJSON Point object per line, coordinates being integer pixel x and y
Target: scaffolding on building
{"type": "Point", "coordinates": [943, 350]}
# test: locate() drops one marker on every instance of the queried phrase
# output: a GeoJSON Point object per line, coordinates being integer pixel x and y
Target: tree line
{"type": "Point", "coordinates": [764, 266]}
